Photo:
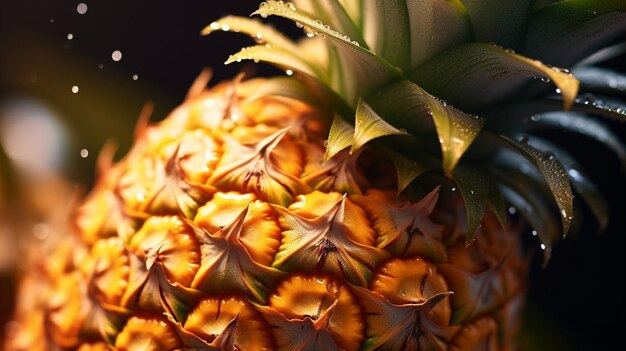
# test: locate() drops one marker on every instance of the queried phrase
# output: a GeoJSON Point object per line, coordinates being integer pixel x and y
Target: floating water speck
{"type": "Point", "coordinates": [116, 55]}
{"type": "Point", "coordinates": [84, 153]}
{"type": "Point", "coordinates": [75, 89]}
{"type": "Point", "coordinates": [543, 247]}
{"type": "Point", "coordinates": [512, 210]}
{"type": "Point", "coordinates": [52, 20]}
{"type": "Point", "coordinates": [101, 66]}
{"type": "Point", "coordinates": [289, 72]}
{"type": "Point", "coordinates": [81, 8]}
{"type": "Point", "coordinates": [135, 77]}
{"type": "Point", "coordinates": [70, 36]}
{"type": "Point", "coordinates": [41, 231]}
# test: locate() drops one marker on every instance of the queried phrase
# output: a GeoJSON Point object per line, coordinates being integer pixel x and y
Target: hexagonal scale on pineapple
{"type": "Point", "coordinates": [150, 333]}
{"type": "Point", "coordinates": [212, 317]}
{"type": "Point", "coordinates": [260, 231]}
{"type": "Point", "coordinates": [402, 228]}
{"type": "Point", "coordinates": [257, 169]}
{"type": "Point", "coordinates": [314, 313]}
{"type": "Point", "coordinates": [227, 267]}
{"type": "Point", "coordinates": [323, 244]}
{"type": "Point", "coordinates": [405, 281]}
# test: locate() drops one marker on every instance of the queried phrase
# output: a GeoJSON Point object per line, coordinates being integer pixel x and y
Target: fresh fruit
{"type": "Point", "coordinates": [266, 214]}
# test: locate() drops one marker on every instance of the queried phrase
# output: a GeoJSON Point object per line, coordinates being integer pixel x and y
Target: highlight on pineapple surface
{"type": "Point", "coordinates": [358, 203]}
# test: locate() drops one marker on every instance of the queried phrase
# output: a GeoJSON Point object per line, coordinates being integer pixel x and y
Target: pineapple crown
{"type": "Point", "coordinates": [392, 70]}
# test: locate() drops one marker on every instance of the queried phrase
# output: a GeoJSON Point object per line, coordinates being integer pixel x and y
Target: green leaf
{"type": "Point", "coordinates": [332, 11]}
{"type": "Point", "coordinates": [496, 202]}
{"type": "Point", "coordinates": [474, 190]}
{"type": "Point", "coordinates": [554, 175]}
{"type": "Point", "coordinates": [256, 29]}
{"type": "Point", "coordinates": [581, 183]}
{"type": "Point", "coordinates": [587, 103]}
{"type": "Point", "coordinates": [566, 31]}
{"type": "Point", "coordinates": [386, 29]}
{"type": "Point", "coordinates": [476, 75]}
{"type": "Point", "coordinates": [601, 80]}
{"type": "Point", "coordinates": [435, 26]}
{"type": "Point", "coordinates": [285, 87]}
{"type": "Point", "coordinates": [405, 105]}
{"type": "Point", "coordinates": [584, 125]}
{"type": "Point", "coordinates": [498, 21]}
{"type": "Point", "coordinates": [537, 214]}
{"type": "Point", "coordinates": [277, 56]}
{"type": "Point", "coordinates": [341, 136]}
{"type": "Point", "coordinates": [407, 169]}
{"type": "Point", "coordinates": [368, 125]}
{"type": "Point", "coordinates": [367, 71]}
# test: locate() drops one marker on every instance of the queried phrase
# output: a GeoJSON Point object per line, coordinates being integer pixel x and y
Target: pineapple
{"type": "Point", "coordinates": [347, 205]}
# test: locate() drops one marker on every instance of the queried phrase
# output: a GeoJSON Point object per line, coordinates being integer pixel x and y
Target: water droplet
{"type": "Point", "coordinates": [70, 36]}
{"type": "Point", "coordinates": [289, 72]}
{"type": "Point", "coordinates": [299, 25]}
{"type": "Point", "coordinates": [512, 210]}
{"type": "Point", "coordinates": [549, 155]}
{"type": "Point", "coordinates": [52, 20]}
{"type": "Point", "coordinates": [135, 77]}
{"type": "Point", "coordinates": [41, 231]}
{"type": "Point", "coordinates": [209, 103]}
{"type": "Point", "coordinates": [81, 8]}
{"type": "Point", "coordinates": [84, 153]}
{"type": "Point", "coordinates": [234, 117]}
{"type": "Point", "coordinates": [75, 89]}
{"type": "Point", "coordinates": [225, 27]}
{"type": "Point", "coordinates": [402, 292]}
{"type": "Point", "coordinates": [262, 5]}
{"type": "Point", "coordinates": [543, 247]}
{"type": "Point", "coordinates": [453, 189]}
{"type": "Point", "coordinates": [291, 6]}
{"type": "Point", "coordinates": [523, 139]}
{"type": "Point", "coordinates": [320, 280]}
{"type": "Point", "coordinates": [472, 192]}
{"type": "Point", "coordinates": [214, 25]}
{"type": "Point", "coordinates": [116, 55]}
{"type": "Point", "coordinates": [101, 66]}
{"type": "Point", "coordinates": [535, 118]}
{"type": "Point", "coordinates": [564, 213]}
{"type": "Point", "coordinates": [534, 232]}
{"type": "Point", "coordinates": [558, 91]}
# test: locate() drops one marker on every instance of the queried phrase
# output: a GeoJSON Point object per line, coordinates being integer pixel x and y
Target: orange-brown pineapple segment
{"type": "Point", "coordinates": [481, 335]}
{"type": "Point", "coordinates": [260, 232]}
{"type": "Point", "coordinates": [405, 229]}
{"type": "Point", "coordinates": [147, 334]}
{"type": "Point", "coordinates": [172, 242]}
{"type": "Point", "coordinates": [317, 203]}
{"type": "Point", "coordinates": [320, 305]}
{"type": "Point", "coordinates": [108, 267]}
{"type": "Point", "coordinates": [404, 281]}
{"type": "Point", "coordinates": [323, 244]}
{"type": "Point", "coordinates": [212, 316]}
{"type": "Point", "coordinates": [256, 168]}
{"type": "Point", "coordinates": [67, 308]}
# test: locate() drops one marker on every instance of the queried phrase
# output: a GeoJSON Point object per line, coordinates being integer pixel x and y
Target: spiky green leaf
{"type": "Point", "coordinates": [366, 70]}
{"type": "Point", "coordinates": [554, 175]}
{"type": "Point", "coordinates": [498, 21]}
{"type": "Point", "coordinates": [277, 56]}
{"type": "Point", "coordinates": [477, 75]}
{"type": "Point", "coordinates": [406, 169]}
{"type": "Point", "coordinates": [368, 125]}
{"type": "Point", "coordinates": [386, 28]}
{"type": "Point", "coordinates": [405, 105]}
{"type": "Point", "coordinates": [474, 187]}
{"type": "Point", "coordinates": [435, 26]}
{"type": "Point", "coordinates": [341, 136]}
{"type": "Point", "coordinates": [566, 31]}
{"type": "Point", "coordinates": [579, 180]}
{"type": "Point", "coordinates": [256, 29]}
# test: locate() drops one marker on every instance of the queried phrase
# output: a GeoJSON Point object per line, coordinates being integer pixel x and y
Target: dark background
{"type": "Point", "coordinates": [576, 303]}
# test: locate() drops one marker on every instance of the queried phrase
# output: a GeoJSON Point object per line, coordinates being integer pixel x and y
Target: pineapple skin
{"type": "Point", "coordinates": [223, 229]}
